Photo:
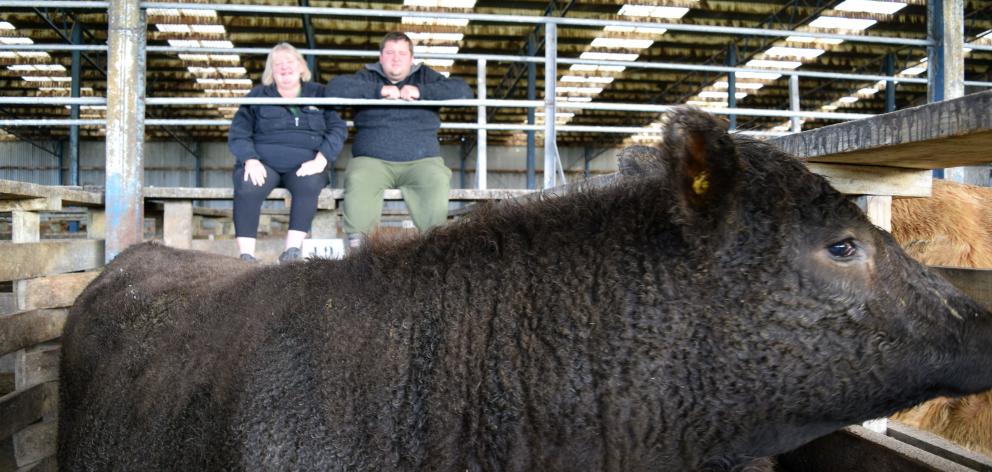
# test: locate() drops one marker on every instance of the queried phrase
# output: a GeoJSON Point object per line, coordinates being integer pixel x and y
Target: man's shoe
{"type": "Point", "coordinates": [290, 255]}
{"type": "Point", "coordinates": [248, 257]}
{"type": "Point", "coordinates": [354, 242]}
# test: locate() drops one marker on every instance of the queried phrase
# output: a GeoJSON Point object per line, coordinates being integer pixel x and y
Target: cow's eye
{"type": "Point", "coordinates": [845, 249]}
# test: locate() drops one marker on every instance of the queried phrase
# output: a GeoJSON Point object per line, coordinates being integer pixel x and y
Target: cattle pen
{"type": "Point", "coordinates": [61, 231]}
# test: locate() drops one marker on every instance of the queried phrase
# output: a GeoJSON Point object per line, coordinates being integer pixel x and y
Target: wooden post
{"type": "Point", "coordinates": [878, 208]}
{"type": "Point", "coordinates": [325, 224]}
{"type": "Point", "coordinates": [26, 226]}
{"type": "Point", "coordinates": [177, 225]}
{"type": "Point", "coordinates": [945, 59]}
{"type": "Point", "coordinates": [96, 227]}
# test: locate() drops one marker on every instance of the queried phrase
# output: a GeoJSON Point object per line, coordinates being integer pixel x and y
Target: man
{"type": "Point", "coordinates": [396, 146]}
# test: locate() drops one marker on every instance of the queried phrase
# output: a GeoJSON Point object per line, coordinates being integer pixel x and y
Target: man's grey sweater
{"type": "Point", "coordinates": [397, 133]}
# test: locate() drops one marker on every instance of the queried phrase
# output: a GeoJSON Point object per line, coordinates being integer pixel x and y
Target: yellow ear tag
{"type": "Point", "coordinates": [701, 183]}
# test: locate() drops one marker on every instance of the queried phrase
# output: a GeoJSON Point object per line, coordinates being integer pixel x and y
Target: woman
{"type": "Point", "coordinates": [282, 146]}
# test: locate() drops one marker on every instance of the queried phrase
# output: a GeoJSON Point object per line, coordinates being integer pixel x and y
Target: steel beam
{"type": "Point", "coordinates": [550, 79]}
{"type": "Point", "coordinates": [125, 126]}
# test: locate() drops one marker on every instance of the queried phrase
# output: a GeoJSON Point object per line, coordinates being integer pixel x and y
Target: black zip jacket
{"type": "Point", "coordinates": [281, 139]}
{"type": "Point", "coordinates": [397, 133]}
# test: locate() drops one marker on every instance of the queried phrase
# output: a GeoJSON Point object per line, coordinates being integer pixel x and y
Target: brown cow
{"type": "Point", "coordinates": [951, 228]}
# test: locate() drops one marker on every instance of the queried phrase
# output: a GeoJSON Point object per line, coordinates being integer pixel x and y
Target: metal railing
{"type": "Point", "coordinates": [551, 60]}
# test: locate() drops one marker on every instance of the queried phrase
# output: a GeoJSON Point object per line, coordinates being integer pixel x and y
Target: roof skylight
{"type": "Point", "coordinates": [870, 6]}
{"type": "Point", "coordinates": [804, 53]}
{"type": "Point", "coordinates": [624, 43]}
{"type": "Point", "coordinates": [769, 64]}
{"type": "Point", "coordinates": [653, 11]}
{"type": "Point", "coordinates": [837, 22]}
{"type": "Point", "coordinates": [608, 56]}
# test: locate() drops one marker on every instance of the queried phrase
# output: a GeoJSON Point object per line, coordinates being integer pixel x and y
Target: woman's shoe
{"type": "Point", "coordinates": [290, 255]}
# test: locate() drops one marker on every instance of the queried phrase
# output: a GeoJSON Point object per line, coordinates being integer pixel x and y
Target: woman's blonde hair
{"type": "Point", "coordinates": [267, 73]}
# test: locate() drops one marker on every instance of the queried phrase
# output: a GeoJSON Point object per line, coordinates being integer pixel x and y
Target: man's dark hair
{"type": "Point", "coordinates": [396, 36]}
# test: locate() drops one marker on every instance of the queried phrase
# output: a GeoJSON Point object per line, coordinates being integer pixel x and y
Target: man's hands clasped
{"type": "Point", "coordinates": [407, 92]}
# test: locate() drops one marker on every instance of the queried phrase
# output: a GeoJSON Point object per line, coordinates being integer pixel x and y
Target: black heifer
{"type": "Point", "coordinates": [717, 302]}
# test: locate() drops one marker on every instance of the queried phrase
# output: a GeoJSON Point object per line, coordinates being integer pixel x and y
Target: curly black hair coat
{"type": "Point", "coordinates": [713, 302]}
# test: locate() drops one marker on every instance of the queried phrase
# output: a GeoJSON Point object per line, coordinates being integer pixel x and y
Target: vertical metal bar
{"type": "Point", "coordinates": [890, 85]}
{"type": "Point", "coordinates": [480, 146]}
{"type": "Point", "coordinates": [797, 124]}
{"type": "Point", "coordinates": [125, 126]}
{"type": "Point", "coordinates": [311, 42]}
{"type": "Point", "coordinates": [463, 152]}
{"type": "Point", "coordinates": [945, 64]}
{"type": "Point", "coordinates": [531, 95]}
{"type": "Point", "coordinates": [60, 156]}
{"type": "Point", "coordinates": [945, 59]}
{"type": "Point", "coordinates": [77, 39]}
{"type": "Point", "coordinates": [732, 84]}
{"type": "Point", "coordinates": [197, 165]}
{"type": "Point", "coordinates": [550, 77]}
{"type": "Point", "coordinates": [586, 157]}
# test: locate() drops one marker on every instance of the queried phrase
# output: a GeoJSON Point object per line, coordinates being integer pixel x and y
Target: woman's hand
{"type": "Point", "coordinates": [313, 166]}
{"type": "Point", "coordinates": [255, 171]}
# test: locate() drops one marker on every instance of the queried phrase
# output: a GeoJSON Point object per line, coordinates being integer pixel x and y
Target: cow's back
{"type": "Point", "coordinates": [160, 339]}
{"type": "Point", "coordinates": [951, 228]}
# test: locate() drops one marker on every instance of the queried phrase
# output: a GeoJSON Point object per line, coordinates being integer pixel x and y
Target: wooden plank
{"type": "Point", "coordinates": [96, 226]}
{"type": "Point", "coordinates": [324, 225]}
{"type": "Point", "coordinates": [201, 193]}
{"type": "Point", "coordinates": [856, 449]}
{"type": "Point", "coordinates": [54, 291]}
{"type": "Point", "coordinates": [32, 204]}
{"type": "Point", "coordinates": [29, 328]}
{"type": "Point", "coordinates": [15, 190]}
{"type": "Point", "coordinates": [27, 260]}
{"type": "Point", "coordinates": [976, 283]}
{"type": "Point", "coordinates": [938, 446]}
{"type": "Point", "coordinates": [8, 303]}
{"type": "Point", "coordinates": [35, 442]}
{"type": "Point", "coordinates": [950, 133]}
{"type": "Point", "coordinates": [878, 208]}
{"type": "Point", "coordinates": [26, 227]}
{"type": "Point", "coordinates": [177, 225]}
{"type": "Point", "coordinates": [35, 365]}
{"type": "Point", "coordinates": [23, 407]}
{"type": "Point", "coordinates": [216, 193]}
{"type": "Point", "coordinates": [875, 180]}
{"type": "Point", "coordinates": [266, 250]}
{"type": "Point", "coordinates": [48, 464]}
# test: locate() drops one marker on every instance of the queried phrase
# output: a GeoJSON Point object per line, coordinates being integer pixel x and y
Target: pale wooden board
{"type": "Point", "coordinates": [21, 408]}
{"type": "Point", "coordinates": [214, 193]}
{"type": "Point", "coordinates": [875, 180]}
{"type": "Point", "coordinates": [8, 303]}
{"type": "Point", "coordinates": [35, 442]}
{"type": "Point", "coordinates": [36, 365]}
{"type": "Point", "coordinates": [177, 227]}
{"type": "Point", "coordinates": [15, 190]}
{"type": "Point", "coordinates": [29, 328]}
{"type": "Point", "coordinates": [26, 260]}
{"type": "Point", "coordinates": [951, 133]}
{"type": "Point", "coordinates": [53, 291]}
{"type": "Point", "coordinates": [855, 448]}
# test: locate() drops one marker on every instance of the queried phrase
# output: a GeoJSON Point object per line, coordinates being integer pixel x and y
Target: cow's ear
{"type": "Point", "coordinates": [705, 166]}
{"type": "Point", "coordinates": [640, 160]}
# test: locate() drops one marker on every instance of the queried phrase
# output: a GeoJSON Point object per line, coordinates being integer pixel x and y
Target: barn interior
{"type": "Point", "coordinates": [832, 81]}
